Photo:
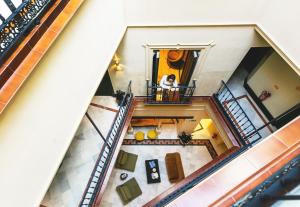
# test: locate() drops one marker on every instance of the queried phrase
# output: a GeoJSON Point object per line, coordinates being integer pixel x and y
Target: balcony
{"type": "Point", "coordinates": [175, 95]}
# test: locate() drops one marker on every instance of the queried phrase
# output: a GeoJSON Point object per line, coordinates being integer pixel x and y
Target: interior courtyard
{"type": "Point", "coordinates": [149, 103]}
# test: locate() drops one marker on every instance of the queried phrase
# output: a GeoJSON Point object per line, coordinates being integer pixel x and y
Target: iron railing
{"type": "Point", "coordinates": [274, 188]}
{"type": "Point", "coordinates": [98, 174]}
{"type": "Point", "coordinates": [237, 117]}
{"type": "Point", "coordinates": [15, 27]}
{"type": "Point", "coordinates": [175, 95]}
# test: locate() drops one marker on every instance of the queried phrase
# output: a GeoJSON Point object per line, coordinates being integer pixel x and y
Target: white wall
{"type": "Point", "coordinates": [275, 71]}
{"type": "Point", "coordinates": [231, 45]}
{"type": "Point", "coordinates": [178, 12]}
{"type": "Point", "coordinates": [38, 126]}
{"type": "Point", "coordinates": [280, 20]}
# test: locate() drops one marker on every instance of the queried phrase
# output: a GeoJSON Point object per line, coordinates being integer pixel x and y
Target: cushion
{"type": "Point", "coordinates": [152, 134]}
{"type": "Point", "coordinates": [123, 158]}
{"type": "Point", "coordinates": [126, 192]}
{"type": "Point", "coordinates": [139, 136]}
{"type": "Point", "coordinates": [175, 55]}
{"type": "Point", "coordinates": [172, 168]}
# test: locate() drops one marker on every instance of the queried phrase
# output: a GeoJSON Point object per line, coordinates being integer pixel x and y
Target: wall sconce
{"type": "Point", "coordinates": [117, 65]}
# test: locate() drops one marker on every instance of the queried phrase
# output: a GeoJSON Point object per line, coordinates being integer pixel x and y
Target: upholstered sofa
{"type": "Point", "coordinates": [126, 161]}
{"type": "Point", "coordinates": [129, 190]}
{"type": "Point", "coordinates": [174, 167]}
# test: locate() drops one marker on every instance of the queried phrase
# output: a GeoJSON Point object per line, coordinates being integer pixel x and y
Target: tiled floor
{"type": "Point", "coordinates": [193, 157]}
{"type": "Point", "coordinates": [72, 176]}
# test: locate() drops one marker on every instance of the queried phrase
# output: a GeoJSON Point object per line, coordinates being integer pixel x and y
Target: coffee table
{"type": "Point", "coordinates": [152, 171]}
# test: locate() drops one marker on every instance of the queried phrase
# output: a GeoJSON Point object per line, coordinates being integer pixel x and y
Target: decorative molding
{"type": "Point", "coordinates": [256, 27]}
{"type": "Point", "coordinates": [193, 25]}
{"type": "Point", "coordinates": [283, 54]}
{"type": "Point", "coordinates": [203, 47]}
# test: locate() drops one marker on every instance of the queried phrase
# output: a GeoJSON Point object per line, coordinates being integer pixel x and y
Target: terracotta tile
{"type": "Point", "coordinates": [34, 45]}
{"type": "Point", "coordinates": [49, 12]}
{"type": "Point", "coordinates": [45, 42]}
{"type": "Point", "coordinates": [281, 162]}
{"type": "Point", "coordinates": [190, 198]}
{"type": "Point", "coordinates": [266, 151]}
{"type": "Point", "coordinates": [5, 75]}
{"type": "Point", "coordinates": [20, 57]}
{"type": "Point", "coordinates": [28, 64]}
{"type": "Point", "coordinates": [71, 8]}
{"type": "Point", "coordinates": [11, 57]}
{"type": "Point", "coordinates": [2, 68]}
{"type": "Point", "coordinates": [234, 173]}
{"type": "Point", "coordinates": [10, 88]}
{"type": "Point", "coordinates": [228, 201]}
{"type": "Point", "coordinates": [290, 134]}
{"type": "Point", "coordinates": [247, 186]}
{"type": "Point", "coordinates": [59, 22]}
{"type": "Point", "coordinates": [29, 36]}
{"type": "Point", "coordinates": [2, 106]}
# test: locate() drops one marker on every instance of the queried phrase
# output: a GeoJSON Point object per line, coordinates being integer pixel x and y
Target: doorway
{"type": "Point", "coordinates": [180, 63]}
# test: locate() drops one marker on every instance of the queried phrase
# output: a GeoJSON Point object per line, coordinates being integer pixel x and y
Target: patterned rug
{"type": "Point", "coordinates": [198, 142]}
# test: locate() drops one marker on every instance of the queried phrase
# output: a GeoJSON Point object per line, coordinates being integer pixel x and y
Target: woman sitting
{"type": "Point", "coordinates": [168, 81]}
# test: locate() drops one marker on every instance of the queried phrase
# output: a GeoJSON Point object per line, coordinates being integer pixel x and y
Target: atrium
{"type": "Point", "coordinates": [149, 103]}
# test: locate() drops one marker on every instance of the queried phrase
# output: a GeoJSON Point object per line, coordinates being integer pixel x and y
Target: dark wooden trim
{"type": "Point", "coordinates": [225, 124]}
{"type": "Point", "coordinates": [258, 101]}
{"type": "Point", "coordinates": [162, 117]}
{"type": "Point", "coordinates": [103, 107]}
{"type": "Point", "coordinates": [266, 112]}
{"type": "Point", "coordinates": [96, 128]}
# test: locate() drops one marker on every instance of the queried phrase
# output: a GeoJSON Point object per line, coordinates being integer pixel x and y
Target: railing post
{"type": "Point", "coordinates": [147, 88]}
{"type": "Point", "coordinates": [96, 128]}
{"type": "Point", "coordinates": [176, 95]}
{"type": "Point", "coordinates": [16, 26]}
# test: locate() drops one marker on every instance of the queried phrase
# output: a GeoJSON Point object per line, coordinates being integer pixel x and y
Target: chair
{"type": "Point", "coordinates": [139, 136]}
{"type": "Point", "coordinates": [126, 161]}
{"type": "Point", "coordinates": [129, 191]}
{"type": "Point", "coordinates": [152, 134]}
{"type": "Point", "coordinates": [174, 167]}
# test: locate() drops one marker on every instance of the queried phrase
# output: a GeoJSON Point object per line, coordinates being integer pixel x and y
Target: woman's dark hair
{"type": "Point", "coordinates": [171, 76]}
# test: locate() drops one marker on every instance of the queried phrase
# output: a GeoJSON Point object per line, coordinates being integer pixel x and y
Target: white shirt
{"type": "Point", "coordinates": [165, 84]}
